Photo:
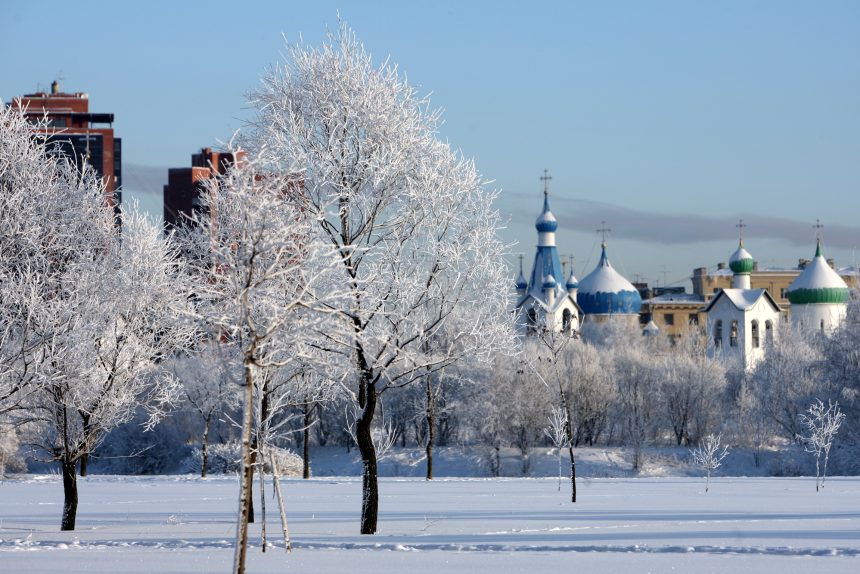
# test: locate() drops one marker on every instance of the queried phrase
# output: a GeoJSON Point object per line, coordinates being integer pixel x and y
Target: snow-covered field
{"type": "Point", "coordinates": [185, 524]}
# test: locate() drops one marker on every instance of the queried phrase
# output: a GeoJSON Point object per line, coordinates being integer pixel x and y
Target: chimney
{"type": "Point", "coordinates": [55, 87]}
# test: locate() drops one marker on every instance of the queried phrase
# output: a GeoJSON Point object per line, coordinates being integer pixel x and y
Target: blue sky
{"type": "Point", "coordinates": [670, 120]}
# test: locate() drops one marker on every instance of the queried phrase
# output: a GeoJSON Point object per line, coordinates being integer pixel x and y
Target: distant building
{"type": "Point", "coordinates": [742, 321]}
{"type": "Point", "coordinates": [185, 184]}
{"type": "Point", "coordinates": [776, 280]}
{"type": "Point", "coordinates": [544, 302]}
{"type": "Point", "coordinates": [81, 135]}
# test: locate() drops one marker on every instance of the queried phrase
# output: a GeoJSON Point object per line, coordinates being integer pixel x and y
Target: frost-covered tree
{"type": "Point", "coordinates": [709, 456]}
{"type": "Point", "coordinates": [822, 423]}
{"type": "Point", "coordinates": [787, 379]}
{"type": "Point", "coordinates": [260, 274]}
{"type": "Point", "coordinates": [412, 221]}
{"type": "Point", "coordinates": [89, 314]}
{"type": "Point", "coordinates": [210, 386]}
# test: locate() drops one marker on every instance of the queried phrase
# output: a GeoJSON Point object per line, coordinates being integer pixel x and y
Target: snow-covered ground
{"type": "Point", "coordinates": [185, 524]}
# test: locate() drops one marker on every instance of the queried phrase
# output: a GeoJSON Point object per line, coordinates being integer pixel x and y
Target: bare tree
{"type": "Point", "coordinates": [822, 423]}
{"type": "Point", "coordinates": [556, 431]}
{"type": "Point", "coordinates": [709, 456]}
{"type": "Point", "coordinates": [410, 218]}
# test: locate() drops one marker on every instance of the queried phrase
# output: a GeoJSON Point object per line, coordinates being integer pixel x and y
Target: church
{"type": "Point", "coordinates": [544, 303]}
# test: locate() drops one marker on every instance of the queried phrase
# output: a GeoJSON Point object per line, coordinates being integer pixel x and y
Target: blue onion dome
{"type": "Point", "coordinates": [549, 282]}
{"type": "Point", "coordinates": [572, 281]}
{"type": "Point", "coordinates": [605, 291]}
{"type": "Point", "coordinates": [818, 283]}
{"type": "Point", "coordinates": [741, 261]}
{"type": "Point", "coordinates": [546, 221]}
{"type": "Point", "coordinates": [521, 281]}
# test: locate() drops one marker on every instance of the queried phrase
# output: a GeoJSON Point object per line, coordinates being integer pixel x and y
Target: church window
{"type": "Point", "coordinates": [768, 332]}
{"type": "Point", "coordinates": [718, 334]}
{"type": "Point", "coordinates": [733, 335]}
{"type": "Point", "coordinates": [754, 333]}
{"type": "Point", "coordinates": [566, 320]}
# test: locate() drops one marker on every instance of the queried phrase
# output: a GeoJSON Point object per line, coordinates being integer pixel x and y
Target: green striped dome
{"type": "Point", "coordinates": [741, 261]}
{"type": "Point", "coordinates": [818, 283]}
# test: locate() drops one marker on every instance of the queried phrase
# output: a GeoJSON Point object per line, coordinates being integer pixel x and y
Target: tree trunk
{"type": "Point", "coordinates": [364, 438]}
{"type": "Point", "coordinates": [204, 466]}
{"type": "Point", "coordinates": [568, 431]}
{"type": "Point", "coordinates": [247, 473]}
{"type": "Point", "coordinates": [262, 469]}
{"type": "Point", "coordinates": [85, 457]}
{"type": "Point", "coordinates": [70, 493]}
{"type": "Point", "coordinates": [431, 427]}
{"type": "Point", "coordinates": [306, 441]}
{"type": "Point", "coordinates": [276, 480]}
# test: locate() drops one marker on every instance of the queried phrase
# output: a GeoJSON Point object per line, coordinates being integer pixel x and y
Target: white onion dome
{"type": "Point", "coordinates": [605, 291]}
{"type": "Point", "coordinates": [741, 261]}
{"type": "Point", "coordinates": [549, 282]}
{"type": "Point", "coordinates": [818, 283]}
{"type": "Point", "coordinates": [546, 221]}
{"type": "Point", "coordinates": [651, 329]}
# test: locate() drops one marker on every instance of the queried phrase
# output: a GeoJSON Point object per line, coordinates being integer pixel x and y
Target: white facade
{"type": "Point", "coordinates": [742, 323]}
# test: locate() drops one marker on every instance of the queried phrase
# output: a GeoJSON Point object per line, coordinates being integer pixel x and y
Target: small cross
{"type": "Point", "coordinates": [818, 227]}
{"type": "Point", "coordinates": [741, 226]}
{"type": "Point", "coordinates": [545, 179]}
{"type": "Point", "coordinates": [570, 260]}
{"type": "Point", "coordinates": [603, 230]}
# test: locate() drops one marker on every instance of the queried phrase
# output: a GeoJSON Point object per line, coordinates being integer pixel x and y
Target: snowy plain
{"type": "Point", "coordinates": [659, 524]}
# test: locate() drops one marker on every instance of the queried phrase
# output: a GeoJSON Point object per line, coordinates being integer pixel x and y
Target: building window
{"type": "Point", "coordinates": [532, 321]}
{"type": "Point", "coordinates": [694, 319]}
{"type": "Point", "coordinates": [565, 320]}
{"type": "Point", "coordinates": [733, 335]}
{"type": "Point", "coordinates": [782, 292]}
{"type": "Point", "coordinates": [718, 334]}
{"type": "Point", "coordinates": [768, 332]}
{"type": "Point", "coordinates": [754, 333]}
{"type": "Point", "coordinates": [669, 318]}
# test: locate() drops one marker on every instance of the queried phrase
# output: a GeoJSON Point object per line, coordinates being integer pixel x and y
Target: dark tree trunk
{"type": "Point", "coordinates": [70, 493]}
{"type": "Point", "coordinates": [204, 466]}
{"type": "Point", "coordinates": [431, 427]}
{"type": "Point", "coordinates": [364, 438]}
{"type": "Point", "coordinates": [568, 430]}
{"type": "Point", "coordinates": [306, 441]}
{"type": "Point", "coordinates": [85, 457]}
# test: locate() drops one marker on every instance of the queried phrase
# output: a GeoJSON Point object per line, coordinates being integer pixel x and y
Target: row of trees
{"type": "Point", "coordinates": [349, 249]}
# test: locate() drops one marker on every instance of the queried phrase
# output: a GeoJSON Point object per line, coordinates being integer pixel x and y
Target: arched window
{"type": "Point", "coordinates": [768, 332]}
{"type": "Point", "coordinates": [733, 335]}
{"type": "Point", "coordinates": [566, 320]}
{"type": "Point", "coordinates": [718, 334]}
{"type": "Point", "coordinates": [754, 334]}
